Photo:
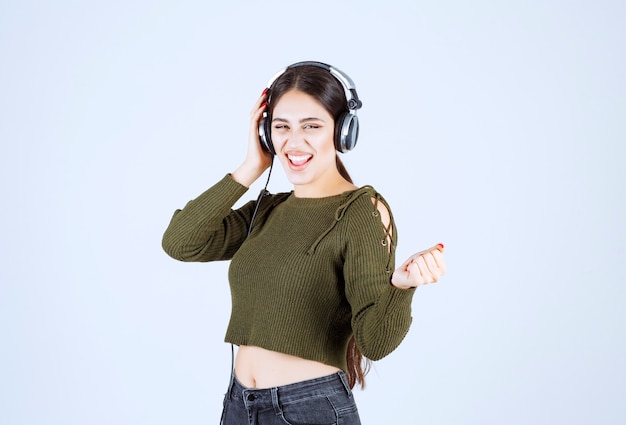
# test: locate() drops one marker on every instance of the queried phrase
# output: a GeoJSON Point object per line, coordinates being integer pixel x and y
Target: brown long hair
{"type": "Point", "coordinates": [324, 87]}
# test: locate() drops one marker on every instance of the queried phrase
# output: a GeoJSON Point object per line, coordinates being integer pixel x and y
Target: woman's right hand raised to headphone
{"type": "Point", "coordinates": [257, 160]}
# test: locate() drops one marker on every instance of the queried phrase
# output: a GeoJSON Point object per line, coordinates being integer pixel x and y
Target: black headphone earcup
{"type": "Point", "coordinates": [265, 134]}
{"type": "Point", "coordinates": [346, 132]}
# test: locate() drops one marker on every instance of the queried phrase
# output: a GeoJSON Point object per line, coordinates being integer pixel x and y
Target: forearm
{"type": "Point", "coordinates": [381, 326]}
{"type": "Point", "coordinates": [247, 173]}
{"type": "Point", "coordinates": [206, 227]}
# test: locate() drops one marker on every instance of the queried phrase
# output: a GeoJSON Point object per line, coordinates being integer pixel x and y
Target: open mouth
{"type": "Point", "coordinates": [299, 160]}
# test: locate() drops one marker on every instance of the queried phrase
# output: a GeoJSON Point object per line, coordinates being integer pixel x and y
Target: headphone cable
{"type": "Point", "coordinates": [261, 195]}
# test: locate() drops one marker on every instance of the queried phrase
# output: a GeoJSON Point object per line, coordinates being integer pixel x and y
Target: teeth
{"type": "Point", "coordinates": [297, 159]}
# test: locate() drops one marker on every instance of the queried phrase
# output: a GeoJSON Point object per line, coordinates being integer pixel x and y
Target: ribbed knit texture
{"type": "Point", "coordinates": [312, 272]}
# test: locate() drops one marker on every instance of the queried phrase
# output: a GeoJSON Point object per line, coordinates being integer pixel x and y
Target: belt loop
{"type": "Point", "coordinates": [274, 393]}
{"type": "Point", "coordinates": [344, 381]}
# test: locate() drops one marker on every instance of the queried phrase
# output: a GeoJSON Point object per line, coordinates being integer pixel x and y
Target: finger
{"type": "Point", "coordinates": [428, 268]}
{"type": "Point", "coordinates": [436, 252]}
{"type": "Point", "coordinates": [414, 269]}
{"type": "Point", "coordinates": [422, 267]}
{"type": "Point", "coordinates": [257, 113]}
{"type": "Point", "coordinates": [433, 269]}
{"type": "Point", "coordinates": [263, 95]}
{"type": "Point", "coordinates": [439, 247]}
{"type": "Point", "coordinates": [414, 275]}
{"type": "Point", "coordinates": [258, 108]}
{"type": "Point", "coordinates": [412, 259]}
{"type": "Point", "coordinates": [260, 101]}
{"type": "Point", "coordinates": [441, 264]}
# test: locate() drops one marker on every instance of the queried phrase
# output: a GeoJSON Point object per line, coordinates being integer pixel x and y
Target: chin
{"type": "Point", "coordinates": [298, 180]}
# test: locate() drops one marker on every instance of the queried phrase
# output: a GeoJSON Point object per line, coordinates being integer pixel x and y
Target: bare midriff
{"type": "Point", "coordinates": [257, 367]}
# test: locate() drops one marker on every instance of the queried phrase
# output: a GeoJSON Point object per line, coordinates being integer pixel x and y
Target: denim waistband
{"type": "Point", "coordinates": [261, 398]}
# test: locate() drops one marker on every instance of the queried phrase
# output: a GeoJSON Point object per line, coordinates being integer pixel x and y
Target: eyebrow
{"type": "Point", "coordinates": [301, 121]}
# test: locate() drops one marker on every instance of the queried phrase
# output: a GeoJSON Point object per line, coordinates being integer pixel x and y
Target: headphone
{"type": "Point", "coordinates": [346, 126]}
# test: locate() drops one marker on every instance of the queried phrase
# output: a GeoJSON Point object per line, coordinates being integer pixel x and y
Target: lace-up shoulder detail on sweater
{"type": "Point", "coordinates": [378, 202]}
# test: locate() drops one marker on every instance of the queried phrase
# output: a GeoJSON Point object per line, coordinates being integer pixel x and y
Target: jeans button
{"type": "Point", "coordinates": [251, 397]}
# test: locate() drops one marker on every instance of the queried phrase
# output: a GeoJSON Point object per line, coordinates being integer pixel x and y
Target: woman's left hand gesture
{"type": "Point", "coordinates": [420, 269]}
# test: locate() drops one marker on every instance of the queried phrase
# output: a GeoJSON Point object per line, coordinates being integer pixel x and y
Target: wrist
{"type": "Point", "coordinates": [247, 174]}
{"type": "Point", "coordinates": [403, 287]}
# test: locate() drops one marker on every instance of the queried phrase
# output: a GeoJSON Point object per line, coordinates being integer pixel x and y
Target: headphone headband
{"type": "Point", "coordinates": [348, 85]}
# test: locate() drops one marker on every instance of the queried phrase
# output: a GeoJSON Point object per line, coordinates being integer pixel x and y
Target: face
{"type": "Point", "coordinates": [303, 137]}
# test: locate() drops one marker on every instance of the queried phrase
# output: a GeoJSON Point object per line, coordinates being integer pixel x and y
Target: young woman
{"type": "Point", "coordinates": [313, 282]}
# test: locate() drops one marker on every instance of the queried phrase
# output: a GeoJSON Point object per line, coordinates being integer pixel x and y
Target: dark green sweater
{"type": "Point", "coordinates": [312, 272]}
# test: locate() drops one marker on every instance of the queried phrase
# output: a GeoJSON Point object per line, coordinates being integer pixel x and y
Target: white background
{"type": "Point", "coordinates": [497, 128]}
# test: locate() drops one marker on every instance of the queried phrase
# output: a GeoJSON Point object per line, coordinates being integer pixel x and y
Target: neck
{"type": "Point", "coordinates": [331, 186]}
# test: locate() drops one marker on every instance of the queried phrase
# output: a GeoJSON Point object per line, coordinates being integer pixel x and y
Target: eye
{"type": "Point", "coordinates": [311, 126]}
{"type": "Point", "coordinates": [280, 126]}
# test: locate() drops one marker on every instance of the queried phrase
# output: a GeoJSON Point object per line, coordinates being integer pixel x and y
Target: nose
{"type": "Point", "coordinates": [294, 139]}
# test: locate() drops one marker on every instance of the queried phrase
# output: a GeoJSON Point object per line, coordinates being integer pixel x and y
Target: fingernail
{"type": "Point", "coordinates": [264, 92]}
{"type": "Point", "coordinates": [440, 245]}
{"type": "Point", "coordinates": [263, 105]}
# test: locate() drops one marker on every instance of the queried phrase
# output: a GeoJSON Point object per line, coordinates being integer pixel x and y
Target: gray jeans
{"type": "Point", "coordinates": [321, 401]}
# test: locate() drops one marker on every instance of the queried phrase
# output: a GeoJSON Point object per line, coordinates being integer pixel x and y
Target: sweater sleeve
{"type": "Point", "coordinates": [381, 313]}
{"type": "Point", "coordinates": [207, 228]}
